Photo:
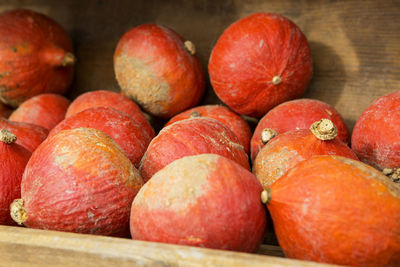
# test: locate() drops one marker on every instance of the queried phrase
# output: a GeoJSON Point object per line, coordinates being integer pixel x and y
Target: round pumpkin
{"type": "Point", "coordinates": [156, 68]}
{"type": "Point", "coordinates": [109, 99]}
{"type": "Point", "coordinates": [191, 137]}
{"type": "Point", "coordinates": [35, 56]}
{"type": "Point", "coordinates": [13, 158]}
{"type": "Point", "coordinates": [222, 114]}
{"type": "Point", "coordinates": [79, 181]}
{"type": "Point", "coordinates": [45, 110]}
{"type": "Point", "coordinates": [259, 62]}
{"type": "Point", "coordinates": [125, 131]}
{"type": "Point", "coordinates": [286, 150]}
{"type": "Point", "coordinates": [29, 135]}
{"type": "Point", "coordinates": [296, 114]}
{"type": "Point", "coordinates": [203, 200]}
{"type": "Point", "coordinates": [376, 135]}
{"type": "Point", "coordinates": [336, 210]}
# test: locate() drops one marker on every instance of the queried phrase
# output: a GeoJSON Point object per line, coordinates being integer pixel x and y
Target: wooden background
{"type": "Point", "coordinates": [355, 44]}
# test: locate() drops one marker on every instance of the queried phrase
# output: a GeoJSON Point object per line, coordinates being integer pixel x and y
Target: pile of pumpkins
{"type": "Point", "coordinates": [95, 165]}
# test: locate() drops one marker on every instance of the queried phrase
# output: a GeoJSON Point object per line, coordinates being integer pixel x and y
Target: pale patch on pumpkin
{"type": "Point", "coordinates": [139, 82]}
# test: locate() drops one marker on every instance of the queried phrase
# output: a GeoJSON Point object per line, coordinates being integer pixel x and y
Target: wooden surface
{"type": "Point", "coordinates": [28, 247]}
{"type": "Point", "coordinates": [355, 44]}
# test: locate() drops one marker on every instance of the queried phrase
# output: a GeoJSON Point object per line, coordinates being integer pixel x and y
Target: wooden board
{"type": "Point", "coordinates": [355, 44]}
{"type": "Point", "coordinates": [29, 247]}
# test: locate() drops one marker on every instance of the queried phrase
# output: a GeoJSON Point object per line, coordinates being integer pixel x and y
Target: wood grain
{"type": "Point", "coordinates": [28, 247]}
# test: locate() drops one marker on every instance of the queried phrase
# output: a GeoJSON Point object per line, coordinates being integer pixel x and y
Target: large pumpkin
{"type": "Point", "coordinates": [204, 200]}
{"type": "Point", "coordinates": [259, 62]}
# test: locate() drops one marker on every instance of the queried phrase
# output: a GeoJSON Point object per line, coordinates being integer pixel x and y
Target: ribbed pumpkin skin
{"type": "Point", "coordinates": [205, 201]}
{"type": "Point", "coordinates": [154, 69]}
{"type": "Point", "coordinates": [222, 114]}
{"type": "Point", "coordinates": [4, 111]}
{"type": "Point", "coordinates": [109, 99]}
{"type": "Point", "coordinates": [250, 53]}
{"type": "Point", "coordinates": [191, 137]}
{"type": "Point", "coordinates": [297, 114]}
{"type": "Point", "coordinates": [28, 135]}
{"type": "Point", "coordinates": [336, 210]}
{"type": "Point", "coordinates": [45, 110]}
{"type": "Point", "coordinates": [80, 181]}
{"type": "Point", "coordinates": [286, 150]}
{"type": "Point", "coordinates": [32, 48]}
{"type": "Point", "coordinates": [125, 131]}
{"type": "Point", "coordinates": [13, 159]}
{"type": "Point", "coordinates": [376, 134]}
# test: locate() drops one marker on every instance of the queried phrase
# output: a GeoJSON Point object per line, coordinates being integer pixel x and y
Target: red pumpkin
{"type": "Point", "coordinates": [205, 201]}
{"type": "Point", "coordinates": [336, 210]}
{"type": "Point", "coordinates": [158, 70]}
{"type": "Point", "coordinates": [297, 114]}
{"type": "Point", "coordinates": [35, 56]}
{"type": "Point", "coordinates": [78, 181]}
{"type": "Point", "coordinates": [222, 114]}
{"type": "Point", "coordinates": [13, 158]}
{"type": "Point", "coordinates": [5, 111]}
{"type": "Point", "coordinates": [46, 110]}
{"type": "Point", "coordinates": [30, 136]}
{"type": "Point", "coordinates": [191, 137]}
{"type": "Point", "coordinates": [286, 150]}
{"type": "Point", "coordinates": [259, 62]}
{"type": "Point", "coordinates": [109, 99]}
{"type": "Point", "coordinates": [376, 135]}
{"type": "Point", "coordinates": [125, 131]}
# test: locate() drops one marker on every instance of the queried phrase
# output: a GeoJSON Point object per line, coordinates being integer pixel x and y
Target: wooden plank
{"type": "Point", "coordinates": [29, 247]}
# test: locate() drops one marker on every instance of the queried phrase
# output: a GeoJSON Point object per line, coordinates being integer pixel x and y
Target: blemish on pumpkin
{"type": "Point", "coordinates": [329, 112]}
{"type": "Point", "coordinates": [14, 49]}
{"type": "Point", "coordinates": [90, 215]}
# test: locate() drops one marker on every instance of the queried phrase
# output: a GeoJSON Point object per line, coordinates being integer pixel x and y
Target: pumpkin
{"type": "Point", "coordinates": [203, 200]}
{"type": "Point", "coordinates": [376, 135]}
{"type": "Point", "coordinates": [191, 137]}
{"type": "Point", "coordinates": [13, 158]}
{"type": "Point", "coordinates": [109, 99]}
{"type": "Point", "coordinates": [125, 131]}
{"type": "Point", "coordinates": [29, 135]}
{"type": "Point", "coordinates": [259, 62]}
{"type": "Point", "coordinates": [293, 115]}
{"type": "Point", "coordinates": [46, 110]}
{"type": "Point", "coordinates": [222, 114]}
{"type": "Point", "coordinates": [157, 69]}
{"type": "Point", "coordinates": [35, 56]}
{"type": "Point", "coordinates": [286, 150]}
{"type": "Point", "coordinates": [79, 181]}
{"type": "Point", "coordinates": [336, 210]}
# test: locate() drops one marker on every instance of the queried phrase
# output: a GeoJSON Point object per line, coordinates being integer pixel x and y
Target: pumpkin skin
{"type": "Point", "coordinates": [216, 206]}
{"type": "Point", "coordinates": [337, 210]}
{"type": "Point", "coordinates": [286, 150]}
{"type": "Point", "coordinates": [30, 136]}
{"type": "Point", "coordinates": [125, 131]}
{"type": "Point", "coordinates": [191, 137]}
{"type": "Point", "coordinates": [5, 111]}
{"type": "Point", "coordinates": [153, 68]}
{"type": "Point", "coordinates": [297, 114]}
{"type": "Point", "coordinates": [259, 62]}
{"type": "Point", "coordinates": [45, 110]}
{"type": "Point", "coordinates": [79, 181]}
{"type": "Point", "coordinates": [376, 134]}
{"type": "Point", "coordinates": [222, 114]}
{"type": "Point", "coordinates": [109, 99]}
{"type": "Point", "coordinates": [35, 56]}
{"type": "Point", "coordinates": [13, 159]}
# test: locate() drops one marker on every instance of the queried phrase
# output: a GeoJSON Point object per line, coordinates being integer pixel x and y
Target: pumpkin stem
{"type": "Point", "coordinates": [267, 134]}
{"type": "Point", "coordinates": [18, 212]}
{"type": "Point", "coordinates": [266, 196]}
{"type": "Point", "coordinates": [68, 60]}
{"type": "Point", "coordinates": [195, 114]}
{"type": "Point", "coordinates": [276, 79]}
{"type": "Point", "coordinates": [7, 136]}
{"type": "Point", "coordinates": [189, 46]}
{"type": "Point", "coordinates": [324, 129]}
{"type": "Point", "coordinates": [393, 174]}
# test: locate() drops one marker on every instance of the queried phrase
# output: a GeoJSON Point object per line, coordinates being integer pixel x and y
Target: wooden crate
{"type": "Point", "coordinates": [356, 53]}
